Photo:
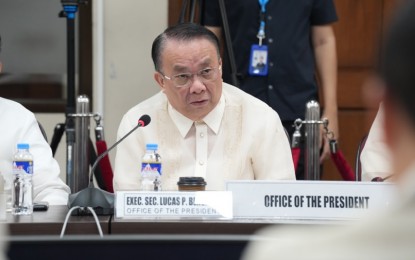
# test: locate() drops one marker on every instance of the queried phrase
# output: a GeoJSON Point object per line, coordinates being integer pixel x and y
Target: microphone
{"type": "Point", "coordinates": [380, 179]}
{"type": "Point", "coordinates": [101, 201]}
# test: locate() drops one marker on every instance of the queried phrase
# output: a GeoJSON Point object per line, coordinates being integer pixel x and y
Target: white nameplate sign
{"type": "Point", "coordinates": [328, 200]}
{"type": "Point", "coordinates": [171, 204]}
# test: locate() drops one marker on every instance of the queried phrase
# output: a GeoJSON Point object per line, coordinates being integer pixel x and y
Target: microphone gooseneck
{"type": "Point", "coordinates": [142, 122]}
{"type": "Point", "coordinates": [94, 199]}
{"type": "Point", "coordinates": [380, 179]}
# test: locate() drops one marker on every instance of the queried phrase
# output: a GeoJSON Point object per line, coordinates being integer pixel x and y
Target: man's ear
{"type": "Point", "coordinates": [221, 69]}
{"type": "Point", "coordinates": [159, 79]}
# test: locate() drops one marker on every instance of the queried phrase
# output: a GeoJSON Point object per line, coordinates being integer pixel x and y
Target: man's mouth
{"type": "Point", "coordinates": [199, 102]}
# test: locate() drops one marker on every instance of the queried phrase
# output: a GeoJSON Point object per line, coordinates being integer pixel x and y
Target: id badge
{"type": "Point", "coordinates": [258, 61]}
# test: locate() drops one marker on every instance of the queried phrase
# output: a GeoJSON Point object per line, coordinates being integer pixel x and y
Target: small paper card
{"type": "Point", "coordinates": [327, 200]}
{"type": "Point", "coordinates": [171, 204]}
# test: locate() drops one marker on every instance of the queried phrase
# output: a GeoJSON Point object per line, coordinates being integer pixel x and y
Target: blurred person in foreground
{"type": "Point", "coordinates": [375, 158]}
{"type": "Point", "coordinates": [392, 235]}
{"type": "Point", "coordinates": [19, 125]}
{"type": "Point", "coordinates": [3, 226]}
{"type": "Point", "coordinates": [203, 126]}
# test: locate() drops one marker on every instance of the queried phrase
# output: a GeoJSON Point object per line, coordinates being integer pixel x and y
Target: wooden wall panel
{"type": "Point", "coordinates": [174, 11]}
{"type": "Point", "coordinates": [350, 87]}
{"type": "Point", "coordinates": [357, 31]}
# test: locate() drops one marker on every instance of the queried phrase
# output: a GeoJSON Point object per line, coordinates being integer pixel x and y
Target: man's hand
{"type": "Point", "coordinates": [333, 127]}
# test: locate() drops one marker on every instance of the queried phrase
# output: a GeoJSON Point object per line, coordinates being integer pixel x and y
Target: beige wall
{"type": "Point", "coordinates": [130, 26]}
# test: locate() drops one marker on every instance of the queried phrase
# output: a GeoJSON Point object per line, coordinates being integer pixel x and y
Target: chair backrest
{"type": "Point", "coordinates": [43, 131]}
{"type": "Point", "coordinates": [288, 136]}
{"type": "Point", "coordinates": [358, 166]}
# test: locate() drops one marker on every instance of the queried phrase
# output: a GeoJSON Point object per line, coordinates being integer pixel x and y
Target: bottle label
{"type": "Point", "coordinates": [25, 166]}
{"type": "Point", "coordinates": [151, 168]}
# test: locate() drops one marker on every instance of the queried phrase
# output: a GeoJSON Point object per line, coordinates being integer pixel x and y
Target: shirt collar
{"type": "Point", "coordinates": [212, 120]}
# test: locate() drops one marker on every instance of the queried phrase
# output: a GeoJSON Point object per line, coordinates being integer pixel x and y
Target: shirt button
{"type": "Point", "coordinates": [270, 40]}
{"type": "Point", "coordinates": [201, 162]}
{"type": "Point", "coordinates": [270, 87]}
{"type": "Point", "coordinates": [269, 17]}
{"type": "Point", "coordinates": [202, 135]}
{"type": "Point", "coordinates": [271, 64]}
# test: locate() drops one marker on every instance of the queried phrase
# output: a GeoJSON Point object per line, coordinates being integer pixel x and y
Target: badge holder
{"type": "Point", "coordinates": [258, 62]}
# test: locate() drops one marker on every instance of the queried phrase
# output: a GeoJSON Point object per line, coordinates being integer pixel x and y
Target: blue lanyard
{"type": "Point", "coordinates": [263, 4]}
{"type": "Point", "coordinates": [261, 30]}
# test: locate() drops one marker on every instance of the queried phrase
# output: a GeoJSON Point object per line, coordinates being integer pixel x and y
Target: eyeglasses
{"type": "Point", "coordinates": [185, 79]}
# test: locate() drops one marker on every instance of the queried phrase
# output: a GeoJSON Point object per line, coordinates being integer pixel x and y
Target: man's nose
{"type": "Point", "coordinates": [197, 85]}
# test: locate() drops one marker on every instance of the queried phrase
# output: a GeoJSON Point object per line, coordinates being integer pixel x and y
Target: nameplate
{"type": "Point", "coordinates": [329, 200]}
{"type": "Point", "coordinates": [170, 204]}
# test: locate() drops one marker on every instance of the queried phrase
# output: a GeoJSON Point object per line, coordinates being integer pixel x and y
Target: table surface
{"type": "Point", "coordinates": [50, 222]}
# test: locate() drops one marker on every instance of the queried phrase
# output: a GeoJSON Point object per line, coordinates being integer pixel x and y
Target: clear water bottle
{"type": "Point", "coordinates": [151, 169]}
{"type": "Point", "coordinates": [3, 200]}
{"type": "Point", "coordinates": [22, 188]}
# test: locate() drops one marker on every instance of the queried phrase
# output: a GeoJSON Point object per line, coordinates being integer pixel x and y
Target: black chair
{"type": "Point", "coordinates": [288, 136]}
{"type": "Point", "coordinates": [358, 166]}
{"type": "Point", "coordinates": [43, 131]}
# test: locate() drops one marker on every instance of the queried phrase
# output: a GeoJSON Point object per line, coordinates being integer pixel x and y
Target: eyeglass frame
{"type": "Point", "coordinates": [191, 76]}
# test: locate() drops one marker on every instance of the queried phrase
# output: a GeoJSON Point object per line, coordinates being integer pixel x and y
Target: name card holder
{"type": "Point", "coordinates": [313, 200]}
{"type": "Point", "coordinates": [174, 204]}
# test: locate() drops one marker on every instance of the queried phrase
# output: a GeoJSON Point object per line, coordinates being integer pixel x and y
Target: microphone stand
{"type": "Point", "coordinates": [70, 7]}
{"type": "Point", "coordinates": [101, 201]}
{"type": "Point", "coordinates": [228, 43]}
{"type": "Point", "coordinates": [187, 10]}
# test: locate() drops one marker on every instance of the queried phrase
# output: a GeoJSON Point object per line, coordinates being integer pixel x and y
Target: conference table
{"type": "Point", "coordinates": [50, 222]}
{"type": "Point", "coordinates": [186, 238]}
{"type": "Point", "coordinates": [29, 236]}
{"type": "Point", "coordinates": [186, 226]}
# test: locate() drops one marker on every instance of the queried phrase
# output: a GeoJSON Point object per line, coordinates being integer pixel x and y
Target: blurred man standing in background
{"type": "Point", "coordinates": [300, 47]}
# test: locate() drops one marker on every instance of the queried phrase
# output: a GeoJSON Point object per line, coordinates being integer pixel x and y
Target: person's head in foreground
{"type": "Point", "coordinates": [389, 235]}
{"type": "Point", "coordinates": [397, 73]}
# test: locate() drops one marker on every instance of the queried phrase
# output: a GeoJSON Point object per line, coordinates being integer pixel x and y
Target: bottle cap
{"type": "Point", "coordinates": [151, 146]}
{"type": "Point", "coordinates": [23, 146]}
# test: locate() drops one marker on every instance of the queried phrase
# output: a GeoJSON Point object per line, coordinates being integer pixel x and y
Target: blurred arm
{"type": "Point", "coordinates": [324, 43]}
